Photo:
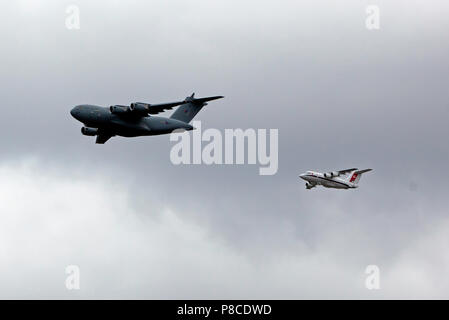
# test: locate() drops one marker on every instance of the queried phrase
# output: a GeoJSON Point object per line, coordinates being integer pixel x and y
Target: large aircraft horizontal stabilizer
{"type": "Point", "coordinates": [191, 106]}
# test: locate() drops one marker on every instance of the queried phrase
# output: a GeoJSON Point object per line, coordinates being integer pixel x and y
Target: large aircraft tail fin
{"type": "Point", "coordinates": [354, 177]}
{"type": "Point", "coordinates": [186, 112]}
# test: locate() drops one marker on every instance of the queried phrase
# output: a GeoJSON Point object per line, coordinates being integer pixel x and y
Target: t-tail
{"type": "Point", "coordinates": [187, 111]}
{"type": "Point", "coordinates": [354, 177]}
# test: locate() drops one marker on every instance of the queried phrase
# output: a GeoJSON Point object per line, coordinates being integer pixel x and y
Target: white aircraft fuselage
{"type": "Point", "coordinates": [343, 179]}
{"type": "Point", "coordinates": [317, 178]}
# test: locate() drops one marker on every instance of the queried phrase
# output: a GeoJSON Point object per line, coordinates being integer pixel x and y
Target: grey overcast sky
{"type": "Point", "coordinates": [140, 227]}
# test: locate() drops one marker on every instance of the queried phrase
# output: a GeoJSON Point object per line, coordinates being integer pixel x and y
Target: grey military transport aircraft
{"type": "Point", "coordinates": [135, 120]}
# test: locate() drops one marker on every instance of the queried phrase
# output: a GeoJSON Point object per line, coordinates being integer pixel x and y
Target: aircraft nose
{"type": "Point", "coordinates": [302, 176]}
{"type": "Point", "coordinates": [189, 127]}
{"type": "Point", "coordinates": [73, 112]}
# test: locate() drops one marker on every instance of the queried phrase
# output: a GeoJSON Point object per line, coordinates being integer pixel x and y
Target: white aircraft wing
{"type": "Point", "coordinates": [338, 173]}
{"type": "Point", "coordinates": [344, 171]}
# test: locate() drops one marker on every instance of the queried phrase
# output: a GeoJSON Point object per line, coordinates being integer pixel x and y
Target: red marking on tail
{"type": "Point", "coordinates": [354, 176]}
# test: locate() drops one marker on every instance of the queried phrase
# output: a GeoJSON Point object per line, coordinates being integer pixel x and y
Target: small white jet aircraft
{"type": "Point", "coordinates": [343, 179]}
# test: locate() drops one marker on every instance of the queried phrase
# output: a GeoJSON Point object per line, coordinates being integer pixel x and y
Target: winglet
{"type": "Point", "coordinates": [194, 100]}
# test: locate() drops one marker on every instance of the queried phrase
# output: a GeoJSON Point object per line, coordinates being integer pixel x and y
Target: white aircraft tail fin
{"type": "Point", "coordinates": [354, 177]}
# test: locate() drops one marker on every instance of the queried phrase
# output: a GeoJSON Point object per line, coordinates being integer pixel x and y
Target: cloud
{"type": "Point", "coordinates": [51, 219]}
{"type": "Point", "coordinates": [138, 226]}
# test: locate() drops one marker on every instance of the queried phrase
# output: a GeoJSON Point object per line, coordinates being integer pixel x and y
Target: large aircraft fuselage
{"type": "Point", "coordinates": [129, 126]}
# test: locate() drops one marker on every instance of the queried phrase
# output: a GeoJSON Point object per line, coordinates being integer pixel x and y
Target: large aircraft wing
{"type": "Point", "coordinates": [161, 107]}
{"type": "Point", "coordinates": [194, 100]}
